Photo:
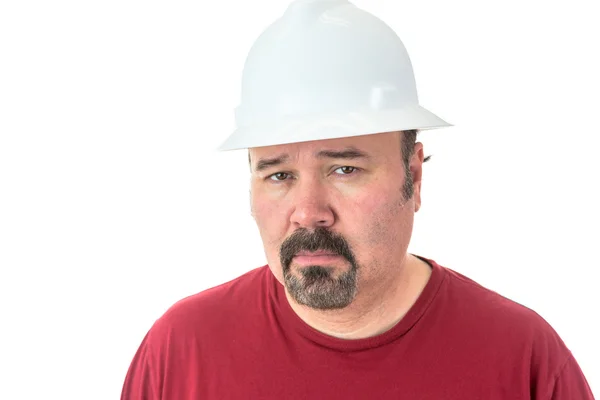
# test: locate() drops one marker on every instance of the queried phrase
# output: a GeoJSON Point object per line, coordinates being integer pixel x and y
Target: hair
{"type": "Point", "coordinates": [408, 139]}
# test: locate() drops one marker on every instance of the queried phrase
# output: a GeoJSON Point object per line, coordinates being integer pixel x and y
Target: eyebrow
{"type": "Point", "coordinates": [349, 153]}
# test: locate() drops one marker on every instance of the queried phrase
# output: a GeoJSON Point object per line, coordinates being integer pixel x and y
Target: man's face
{"type": "Point", "coordinates": [332, 214]}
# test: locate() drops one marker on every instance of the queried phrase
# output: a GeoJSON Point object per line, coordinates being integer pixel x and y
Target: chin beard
{"type": "Point", "coordinates": [316, 287]}
{"type": "Point", "coordinates": [319, 286]}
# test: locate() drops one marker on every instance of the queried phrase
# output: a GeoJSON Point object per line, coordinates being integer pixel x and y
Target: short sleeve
{"type": "Point", "coordinates": [571, 383]}
{"type": "Point", "coordinates": [140, 381]}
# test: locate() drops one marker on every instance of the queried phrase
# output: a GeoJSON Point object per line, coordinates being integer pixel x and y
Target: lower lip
{"type": "Point", "coordinates": [311, 260]}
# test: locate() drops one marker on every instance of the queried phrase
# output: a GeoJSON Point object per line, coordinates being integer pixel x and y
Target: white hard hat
{"type": "Point", "coordinates": [326, 69]}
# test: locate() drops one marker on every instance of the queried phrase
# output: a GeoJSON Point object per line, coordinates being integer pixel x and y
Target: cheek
{"type": "Point", "coordinates": [260, 208]}
{"type": "Point", "coordinates": [259, 203]}
{"type": "Point", "coordinates": [269, 219]}
{"type": "Point", "coordinates": [271, 228]}
{"type": "Point", "coordinates": [264, 215]}
{"type": "Point", "coordinates": [379, 218]}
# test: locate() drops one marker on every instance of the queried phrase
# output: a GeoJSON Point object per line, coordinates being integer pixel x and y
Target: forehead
{"type": "Point", "coordinates": [380, 144]}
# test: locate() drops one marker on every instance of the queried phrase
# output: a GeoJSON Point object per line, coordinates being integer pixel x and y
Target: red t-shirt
{"type": "Point", "coordinates": [242, 340]}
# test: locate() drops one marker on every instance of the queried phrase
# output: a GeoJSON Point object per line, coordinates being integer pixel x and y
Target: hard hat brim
{"type": "Point", "coordinates": [331, 126]}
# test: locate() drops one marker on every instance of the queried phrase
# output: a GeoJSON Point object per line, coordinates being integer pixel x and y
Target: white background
{"type": "Point", "coordinates": [114, 203]}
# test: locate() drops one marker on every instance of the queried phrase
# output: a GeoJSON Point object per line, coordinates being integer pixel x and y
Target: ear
{"type": "Point", "coordinates": [416, 170]}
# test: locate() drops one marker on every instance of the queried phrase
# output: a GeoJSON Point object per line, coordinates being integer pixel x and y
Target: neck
{"type": "Point", "coordinates": [376, 309]}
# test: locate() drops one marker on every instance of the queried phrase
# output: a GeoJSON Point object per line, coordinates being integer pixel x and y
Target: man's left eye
{"type": "Point", "coordinates": [346, 170]}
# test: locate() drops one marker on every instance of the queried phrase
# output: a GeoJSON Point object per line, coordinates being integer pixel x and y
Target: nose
{"type": "Point", "coordinates": [311, 206]}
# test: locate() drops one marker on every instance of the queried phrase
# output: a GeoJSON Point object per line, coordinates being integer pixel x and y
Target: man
{"type": "Point", "coordinates": [329, 116]}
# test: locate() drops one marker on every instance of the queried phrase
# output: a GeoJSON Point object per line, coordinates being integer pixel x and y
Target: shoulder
{"type": "Point", "coordinates": [496, 320]}
{"type": "Point", "coordinates": [489, 306]}
{"type": "Point", "coordinates": [213, 307]}
{"type": "Point", "coordinates": [191, 330]}
{"type": "Point", "coordinates": [493, 336]}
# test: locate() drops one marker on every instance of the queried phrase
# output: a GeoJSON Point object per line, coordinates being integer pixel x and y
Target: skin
{"type": "Point", "coordinates": [360, 200]}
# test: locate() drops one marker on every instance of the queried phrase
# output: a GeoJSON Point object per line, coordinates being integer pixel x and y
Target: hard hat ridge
{"type": "Point", "coordinates": [312, 7]}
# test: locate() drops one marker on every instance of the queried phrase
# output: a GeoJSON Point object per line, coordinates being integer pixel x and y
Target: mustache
{"type": "Point", "coordinates": [311, 241]}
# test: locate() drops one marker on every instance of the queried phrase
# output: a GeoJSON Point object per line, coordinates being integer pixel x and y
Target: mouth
{"type": "Point", "coordinates": [318, 257]}
{"type": "Point", "coordinates": [315, 253]}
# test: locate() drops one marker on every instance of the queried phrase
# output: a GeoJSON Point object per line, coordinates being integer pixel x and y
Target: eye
{"type": "Point", "coordinates": [279, 176]}
{"type": "Point", "coordinates": [347, 170]}
{"type": "Point", "coordinates": [283, 176]}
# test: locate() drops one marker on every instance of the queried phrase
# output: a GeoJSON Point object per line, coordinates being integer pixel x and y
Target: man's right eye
{"type": "Point", "coordinates": [279, 176]}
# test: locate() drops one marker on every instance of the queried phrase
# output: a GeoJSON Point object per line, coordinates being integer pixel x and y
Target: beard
{"type": "Point", "coordinates": [317, 286]}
